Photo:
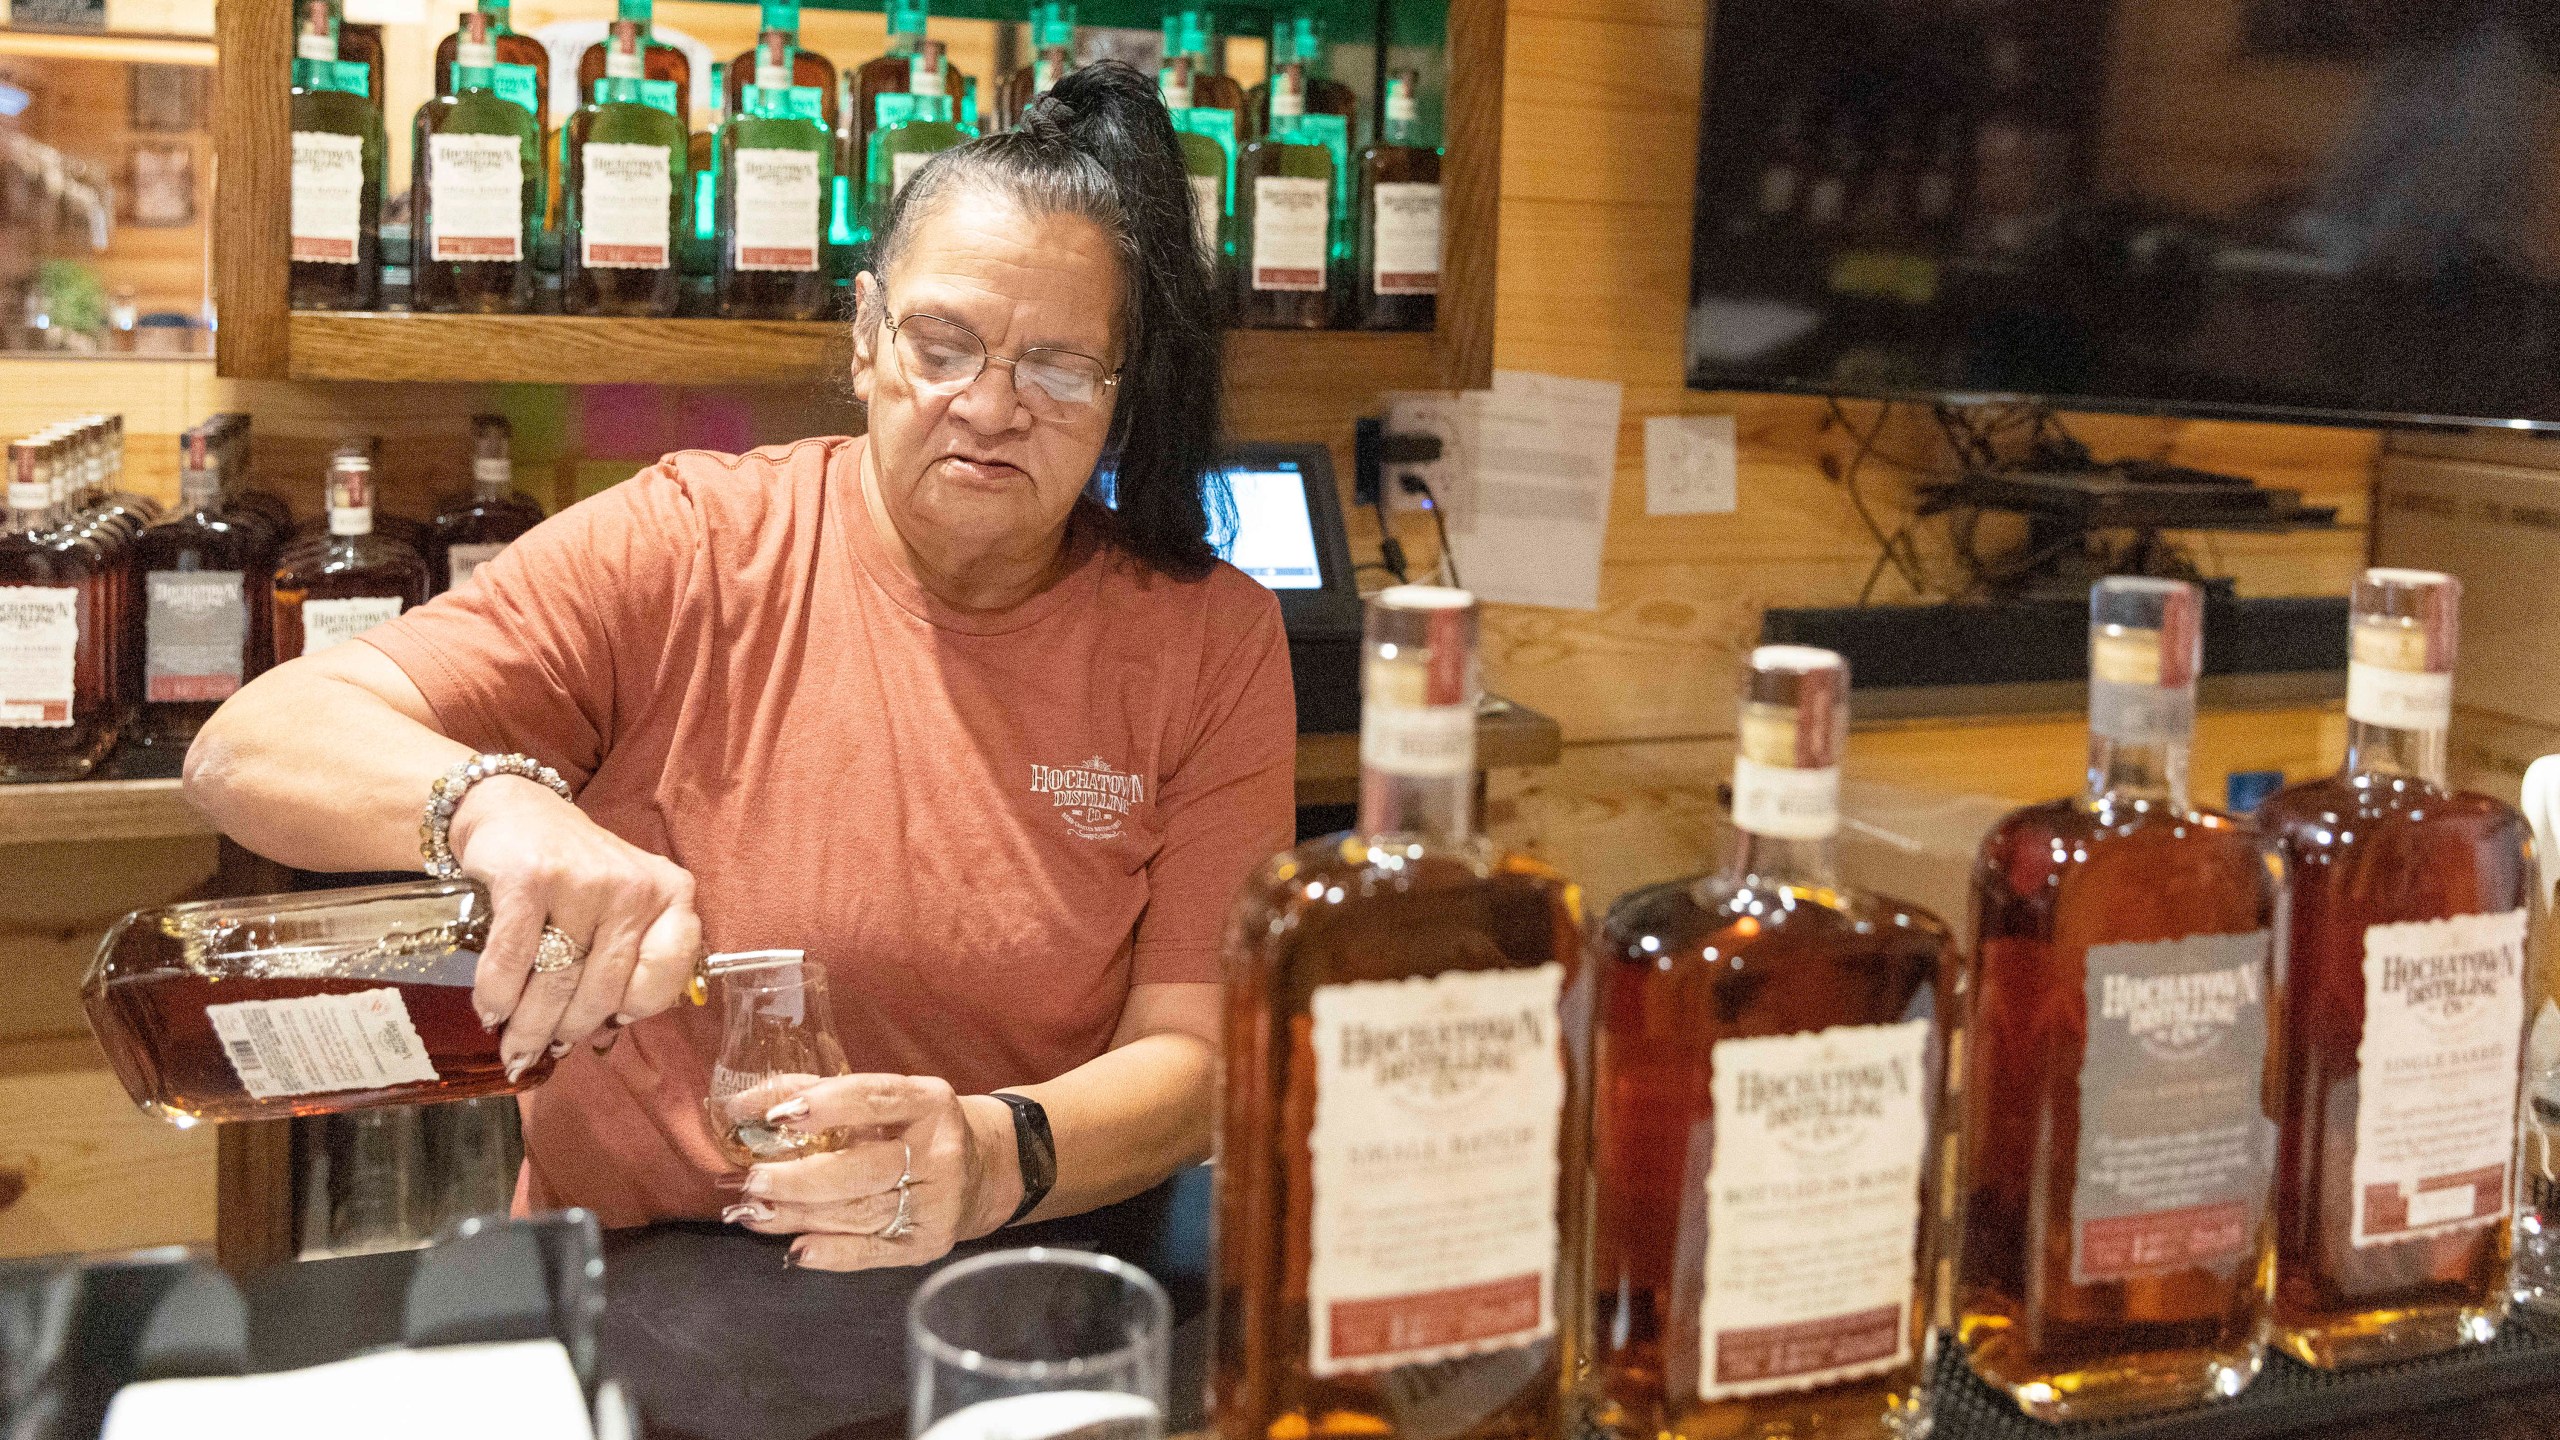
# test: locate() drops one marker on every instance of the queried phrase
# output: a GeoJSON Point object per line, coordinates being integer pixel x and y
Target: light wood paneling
{"type": "Point", "coordinates": [81, 1170]}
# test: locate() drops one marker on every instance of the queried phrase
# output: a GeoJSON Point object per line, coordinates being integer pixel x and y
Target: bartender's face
{"type": "Point", "coordinates": [988, 466]}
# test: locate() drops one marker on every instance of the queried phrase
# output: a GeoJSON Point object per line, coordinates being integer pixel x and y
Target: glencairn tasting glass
{"type": "Point", "coordinates": [777, 160]}
{"type": "Point", "coordinates": [1766, 1066]}
{"type": "Point", "coordinates": [299, 1004]}
{"type": "Point", "coordinates": [56, 706]}
{"type": "Point", "coordinates": [627, 193]}
{"type": "Point", "coordinates": [775, 1023]}
{"type": "Point", "coordinates": [478, 181]}
{"type": "Point", "coordinates": [1399, 1147]}
{"type": "Point", "coordinates": [336, 223]}
{"type": "Point", "coordinates": [2116, 1136]}
{"type": "Point", "coordinates": [2404, 1010]}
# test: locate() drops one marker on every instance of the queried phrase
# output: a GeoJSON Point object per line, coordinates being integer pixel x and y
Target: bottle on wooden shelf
{"type": "Point", "coordinates": [331, 588]}
{"type": "Point", "coordinates": [777, 158]}
{"type": "Point", "coordinates": [663, 64]}
{"type": "Point", "coordinates": [477, 189]}
{"type": "Point", "coordinates": [1298, 39]}
{"type": "Point", "coordinates": [520, 70]}
{"type": "Point", "coordinates": [1767, 1058]}
{"type": "Point", "coordinates": [57, 715]}
{"type": "Point", "coordinates": [1399, 1141]}
{"type": "Point", "coordinates": [888, 73]}
{"type": "Point", "coordinates": [628, 195]}
{"type": "Point", "coordinates": [206, 617]}
{"type": "Point", "coordinates": [92, 500]}
{"type": "Point", "coordinates": [2116, 1130]}
{"type": "Point", "coordinates": [1398, 264]}
{"type": "Point", "coordinates": [1192, 30]}
{"type": "Point", "coordinates": [917, 127]}
{"type": "Point", "coordinates": [809, 70]}
{"type": "Point", "coordinates": [359, 44]}
{"type": "Point", "coordinates": [1203, 159]}
{"type": "Point", "coordinates": [2404, 1009]}
{"type": "Point", "coordinates": [1284, 220]}
{"type": "Point", "coordinates": [336, 225]}
{"type": "Point", "coordinates": [1053, 54]}
{"type": "Point", "coordinates": [472, 528]}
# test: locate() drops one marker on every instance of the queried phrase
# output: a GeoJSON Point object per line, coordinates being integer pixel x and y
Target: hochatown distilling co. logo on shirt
{"type": "Point", "coordinates": [1092, 797]}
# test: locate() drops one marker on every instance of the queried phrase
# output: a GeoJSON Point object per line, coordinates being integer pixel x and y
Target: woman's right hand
{"type": "Point", "coordinates": [545, 862]}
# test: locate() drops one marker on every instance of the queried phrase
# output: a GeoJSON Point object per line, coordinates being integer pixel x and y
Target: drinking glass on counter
{"type": "Point", "coordinates": [1038, 1344]}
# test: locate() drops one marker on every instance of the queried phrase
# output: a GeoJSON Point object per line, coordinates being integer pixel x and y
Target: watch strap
{"type": "Point", "coordinates": [1036, 1149]}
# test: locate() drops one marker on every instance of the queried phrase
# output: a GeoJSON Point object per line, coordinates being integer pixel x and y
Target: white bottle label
{"type": "Point", "coordinates": [2399, 699]}
{"type": "Point", "coordinates": [1813, 1207]}
{"type": "Point", "coordinates": [1404, 252]}
{"type": "Point", "coordinates": [318, 1043]}
{"type": "Point", "coordinates": [195, 627]}
{"type": "Point", "coordinates": [39, 650]}
{"type": "Point", "coordinates": [475, 201]}
{"type": "Point", "coordinates": [1439, 1106]}
{"type": "Point", "coordinates": [1208, 207]}
{"type": "Point", "coordinates": [1292, 220]}
{"type": "Point", "coordinates": [463, 559]}
{"type": "Point", "coordinates": [328, 196]}
{"type": "Point", "coordinates": [492, 471]}
{"type": "Point", "coordinates": [903, 166]}
{"type": "Point", "coordinates": [1784, 802]}
{"type": "Point", "coordinates": [334, 622]}
{"type": "Point", "coordinates": [624, 207]}
{"type": "Point", "coordinates": [778, 196]}
{"type": "Point", "coordinates": [1419, 742]}
{"type": "Point", "coordinates": [2436, 1102]}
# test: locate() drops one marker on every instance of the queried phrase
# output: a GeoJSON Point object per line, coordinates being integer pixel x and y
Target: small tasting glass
{"type": "Point", "coordinates": [774, 1022]}
{"type": "Point", "coordinates": [1029, 1344]}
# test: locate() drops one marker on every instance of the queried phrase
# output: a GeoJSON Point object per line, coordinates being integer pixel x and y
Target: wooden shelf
{"type": "Point", "coordinates": [83, 810]}
{"type": "Point", "coordinates": [588, 350]}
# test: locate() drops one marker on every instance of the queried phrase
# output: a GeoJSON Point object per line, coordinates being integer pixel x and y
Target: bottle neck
{"type": "Point", "coordinates": [200, 489]}
{"type": "Point", "coordinates": [1438, 808]}
{"type": "Point", "coordinates": [30, 506]}
{"type": "Point", "coordinates": [2150, 771]}
{"type": "Point", "coordinates": [500, 13]}
{"type": "Point", "coordinates": [1776, 860]}
{"type": "Point", "coordinates": [1401, 127]}
{"type": "Point", "coordinates": [491, 479]}
{"type": "Point", "coordinates": [2389, 750]}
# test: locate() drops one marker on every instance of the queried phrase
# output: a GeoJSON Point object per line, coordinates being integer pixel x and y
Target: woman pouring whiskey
{"type": "Point", "coordinates": [996, 756]}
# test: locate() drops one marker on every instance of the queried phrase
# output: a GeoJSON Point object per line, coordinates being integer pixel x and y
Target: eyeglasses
{"type": "Point", "coordinates": [946, 356]}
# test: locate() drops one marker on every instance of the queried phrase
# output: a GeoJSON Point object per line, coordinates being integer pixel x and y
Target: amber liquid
{"type": "Point", "coordinates": [342, 567]}
{"type": "Point", "coordinates": [1445, 911]}
{"type": "Point", "coordinates": [1281, 309]}
{"type": "Point", "coordinates": [881, 75]}
{"type": "Point", "coordinates": [514, 49]}
{"type": "Point", "coordinates": [2372, 850]}
{"type": "Point", "coordinates": [198, 539]}
{"type": "Point", "coordinates": [1324, 97]}
{"type": "Point", "coordinates": [1390, 164]}
{"type": "Point", "coordinates": [658, 61]}
{"type": "Point", "coordinates": [1722, 966]}
{"type": "Point", "coordinates": [808, 68]}
{"type": "Point", "coordinates": [475, 520]}
{"type": "Point", "coordinates": [53, 560]}
{"type": "Point", "coordinates": [2054, 880]}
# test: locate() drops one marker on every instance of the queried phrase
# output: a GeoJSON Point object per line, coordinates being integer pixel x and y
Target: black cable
{"type": "Point", "coordinates": [1897, 549]}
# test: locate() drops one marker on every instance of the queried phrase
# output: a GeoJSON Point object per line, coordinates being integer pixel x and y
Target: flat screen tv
{"type": "Point", "coordinates": [2327, 210]}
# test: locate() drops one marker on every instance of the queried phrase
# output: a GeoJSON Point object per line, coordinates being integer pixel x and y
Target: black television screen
{"type": "Point", "coordinates": [2341, 210]}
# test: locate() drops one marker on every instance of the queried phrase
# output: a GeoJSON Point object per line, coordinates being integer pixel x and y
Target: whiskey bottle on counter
{"type": "Point", "coordinates": [776, 163]}
{"type": "Point", "coordinates": [470, 530]}
{"type": "Point", "coordinates": [520, 61]}
{"type": "Point", "coordinates": [627, 194]}
{"type": "Point", "coordinates": [2404, 1012]}
{"type": "Point", "coordinates": [808, 69]}
{"type": "Point", "coordinates": [336, 223]}
{"type": "Point", "coordinates": [1191, 30]}
{"type": "Point", "coordinates": [301, 1004]}
{"type": "Point", "coordinates": [478, 189]}
{"type": "Point", "coordinates": [1767, 1057]}
{"type": "Point", "coordinates": [667, 74]}
{"type": "Point", "coordinates": [206, 618]}
{"type": "Point", "coordinates": [1399, 253]}
{"type": "Point", "coordinates": [1399, 1171]}
{"type": "Point", "coordinates": [901, 145]}
{"type": "Point", "coordinates": [1284, 219]}
{"type": "Point", "coordinates": [56, 710]}
{"type": "Point", "coordinates": [331, 588]}
{"type": "Point", "coordinates": [1053, 51]}
{"type": "Point", "coordinates": [2116, 1137]}
{"type": "Point", "coordinates": [1203, 159]}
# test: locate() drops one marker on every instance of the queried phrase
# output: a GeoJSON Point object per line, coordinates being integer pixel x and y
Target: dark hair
{"type": "Point", "coordinates": [1101, 145]}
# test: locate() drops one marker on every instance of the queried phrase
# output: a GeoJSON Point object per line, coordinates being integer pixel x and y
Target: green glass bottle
{"type": "Point", "coordinates": [1284, 220]}
{"type": "Point", "coordinates": [1053, 48]}
{"type": "Point", "coordinates": [477, 183]}
{"type": "Point", "coordinates": [628, 194]}
{"type": "Point", "coordinates": [336, 254]}
{"type": "Point", "coordinates": [1190, 30]}
{"type": "Point", "coordinates": [901, 148]}
{"type": "Point", "coordinates": [776, 172]}
{"type": "Point", "coordinates": [523, 52]}
{"type": "Point", "coordinates": [1398, 268]}
{"type": "Point", "coordinates": [1299, 39]}
{"type": "Point", "coordinates": [809, 69]}
{"type": "Point", "coordinates": [701, 255]}
{"type": "Point", "coordinates": [1203, 158]}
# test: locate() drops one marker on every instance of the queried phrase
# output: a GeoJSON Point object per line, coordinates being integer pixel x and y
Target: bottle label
{"type": "Point", "coordinates": [1405, 250]}
{"type": "Point", "coordinates": [1208, 208]}
{"type": "Point", "coordinates": [517, 83]}
{"type": "Point", "coordinates": [314, 1044]}
{"type": "Point", "coordinates": [492, 472]}
{"type": "Point", "coordinates": [1291, 222]}
{"type": "Point", "coordinates": [475, 197]}
{"type": "Point", "coordinates": [1439, 1105]}
{"type": "Point", "coordinates": [2128, 699]}
{"type": "Point", "coordinates": [2436, 1090]}
{"type": "Point", "coordinates": [1418, 742]}
{"type": "Point", "coordinates": [1813, 1207]}
{"type": "Point", "coordinates": [1784, 802]}
{"type": "Point", "coordinates": [903, 166]}
{"type": "Point", "coordinates": [2175, 1147]}
{"type": "Point", "coordinates": [334, 622]}
{"type": "Point", "coordinates": [196, 625]}
{"type": "Point", "coordinates": [39, 652]}
{"type": "Point", "coordinates": [778, 200]}
{"type": "Point", "coordinates": [328, 197]}
{"type": "Point", "coordinates": [2388, 682]}
{"type": "Point", "coordinates": [625, 207]}
{"type": "Point", "coordinates": [463, 559]}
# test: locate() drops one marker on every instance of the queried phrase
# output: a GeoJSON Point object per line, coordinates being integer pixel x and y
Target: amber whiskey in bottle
{"type": "Point", "coordinates": [56, 717]}
{"type": "Point", "coordinates": [1284, 219]}
{"type": "Point", "coordinates": [628, 194]}
{"type": "Point", "coordinates": [477, 188]}
{"type": "Point", "coordinates": [336, 223]}
{"type": "Point", "coordinates": [206, 618]}
{"type": "Point", "coordinates": [1299, 39]}
{"type": "Point", "coordinates": [470, 529]}
{"type": "Point", "coordinates": [1766, 1065]}
{"type": "Point", "coordinates": [1192, 30]}
{"type": "Point", "coordinates": [2116, 1139]}
{"type": "Point", "coordinates": [303, 1004]}
{"type": "Point", "coordinates": [659, 61]}
{"type": "Point", "coordinates": [1053, 49]}
{"type": "Point", "coordinates": [513, 48]}
{"type": "Point", "coordinates": [809, 70]}
{"type": "Point", "coordinates": [1398, 1182]}
{"type": "Point", "coordinates": [1398, 265]}
{"type": "Point", "coordinates": [888, 73]}
{"type": "Point", "coordinates": [331, 588]}
{"type": "Point", "coordinates": [2404, 1008]}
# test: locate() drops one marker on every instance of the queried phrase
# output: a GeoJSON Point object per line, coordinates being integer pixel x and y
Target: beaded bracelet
{"type": "Point", "coordinates": [435, 828]}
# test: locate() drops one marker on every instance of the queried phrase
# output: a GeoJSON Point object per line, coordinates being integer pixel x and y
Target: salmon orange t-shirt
{"type": "Point", "coordinates": [986, 826]}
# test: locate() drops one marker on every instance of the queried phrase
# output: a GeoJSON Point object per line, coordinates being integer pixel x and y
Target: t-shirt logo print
{"type": "Point", "coordinates": [1091, 797]}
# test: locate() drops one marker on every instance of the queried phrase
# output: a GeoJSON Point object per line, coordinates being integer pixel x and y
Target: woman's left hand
{"type": "Point", "coordinates": [954, 1153]}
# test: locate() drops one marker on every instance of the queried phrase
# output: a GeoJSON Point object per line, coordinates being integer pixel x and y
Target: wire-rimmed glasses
{"type": "Point", "coordinates": [947, 356]}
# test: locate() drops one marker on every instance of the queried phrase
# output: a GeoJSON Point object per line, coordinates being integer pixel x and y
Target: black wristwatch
{"type": "Point", "coordinates": [1038, 1152]}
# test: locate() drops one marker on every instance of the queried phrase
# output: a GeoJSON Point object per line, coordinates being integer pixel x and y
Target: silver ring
{"type": "Point", "coordinates": [556, 952]}
{"type": "Point", "coordinates": [899, 1226]}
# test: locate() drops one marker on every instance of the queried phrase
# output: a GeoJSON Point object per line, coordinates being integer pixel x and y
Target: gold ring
{"type": "Point", "coordinates": [557, 952]}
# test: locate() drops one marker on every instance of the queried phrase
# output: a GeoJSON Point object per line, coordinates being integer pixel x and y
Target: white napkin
{"type": "Point", "coordinates": [521, 1390]}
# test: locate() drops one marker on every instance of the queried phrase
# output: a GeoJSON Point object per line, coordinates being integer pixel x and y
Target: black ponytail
{"type": "Point", "coordinates": [1101, 145]}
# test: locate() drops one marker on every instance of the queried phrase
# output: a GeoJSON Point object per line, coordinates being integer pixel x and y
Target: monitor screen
{"type": "Point", "coordinates": [2334, 210]}
{"type": "Point", "coordinates": [1275, 539]}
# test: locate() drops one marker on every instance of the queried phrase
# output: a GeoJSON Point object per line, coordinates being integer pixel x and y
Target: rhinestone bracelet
{"type": "Point", "coordinates": [435, 828]}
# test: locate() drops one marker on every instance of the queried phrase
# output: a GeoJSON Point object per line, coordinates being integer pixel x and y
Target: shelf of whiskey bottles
{"type": "Point", "coordinates": [69, 671]}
